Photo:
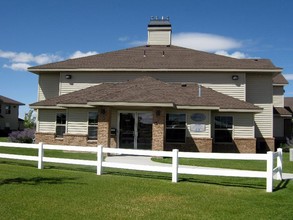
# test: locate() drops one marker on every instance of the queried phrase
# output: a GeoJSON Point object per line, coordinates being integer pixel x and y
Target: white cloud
{"type": "Point", "coordinates": [205, 42]}
{"type": "Point", "coordinates": [123, 39]}
{"type": "Point", "coordinates": [78, 54]}
{"type": "Point", "coordinates": [236, 54]}
{"type": "Point", "coordinates": [137, 43]}
{"type": "Point", "coordinates": [20, 61]}
{"type": "Point", "coordinates": [17, 66]}
{"type": "Point", "coordinates": [288, 76]}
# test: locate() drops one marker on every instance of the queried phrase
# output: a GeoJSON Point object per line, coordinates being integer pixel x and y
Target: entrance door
{"type": "Point", "coordinates": [135, 130]}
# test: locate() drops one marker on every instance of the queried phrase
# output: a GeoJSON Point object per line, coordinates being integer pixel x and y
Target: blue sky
{"type": "Point", "coordinates": [34, 32]}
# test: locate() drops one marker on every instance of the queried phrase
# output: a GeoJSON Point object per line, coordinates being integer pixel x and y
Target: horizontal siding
{"type": "Point", "coordinates": [264, 121]}
{"type": "Point", "coordinates": [278, 97]}
{"type": "Point", "coordinates": [221, 82]}
{"type": "Point", "coordinates": [243, 125]}
{"type": "Point", "coordinates": [259, 90]}
{"type": "Point", "coordinates": [78, 121]}
{"type": "Point", "coordinates": [206, 123]}
{"type": "Point", "coordinates": [278, 127]}
{"type": "Point", "coordinates": [48, 86]}
{"type": "Point", "coordinates": [47, 120]}
{"type": "Point", "coordinates": [159, 37]}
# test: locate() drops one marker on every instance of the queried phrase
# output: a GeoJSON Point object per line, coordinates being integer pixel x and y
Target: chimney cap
{"type": "Point", "coordinates": [156, 21]}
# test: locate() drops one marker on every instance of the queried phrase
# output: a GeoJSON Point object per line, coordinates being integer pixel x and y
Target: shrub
{"type": "Point", "coordinates": [25, 136]}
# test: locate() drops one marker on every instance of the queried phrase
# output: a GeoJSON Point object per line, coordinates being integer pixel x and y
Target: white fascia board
{"type": "Point", "coordinates": [157, 70]}
{"type": "Point", "coordinates": [46, 107]}
{"type": "Point", "coordinates": [197, 107]}
{"type": "Point", "coordinates": [241, 110]}
{"type": "Point", "coordinates": [75, 106]}
{"type": "Point", "coordinates": [131, 104]}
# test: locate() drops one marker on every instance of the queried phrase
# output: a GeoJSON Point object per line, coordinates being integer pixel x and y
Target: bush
{"type": "Point", "coordinates": [25, 136]}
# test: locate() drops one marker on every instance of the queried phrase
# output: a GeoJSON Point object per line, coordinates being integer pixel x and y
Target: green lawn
{"type": "Point", "coordinates": [76, 192]}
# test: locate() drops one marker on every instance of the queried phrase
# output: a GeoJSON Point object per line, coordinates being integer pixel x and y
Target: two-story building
{"type": "Point", "coordinates": [157, 96]}
{"type": "Point", "coordinates": [9, 110]}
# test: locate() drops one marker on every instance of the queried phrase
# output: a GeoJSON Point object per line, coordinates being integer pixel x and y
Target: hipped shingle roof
{"type": "Point", "coordinates": [157, 58]}
{"type": "Point", "coordinates": [149, 90]}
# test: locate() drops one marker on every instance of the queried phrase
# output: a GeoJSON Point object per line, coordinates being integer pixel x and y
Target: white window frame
{"type": "Point", "coordinates": [94, 125]}
{"type": "Point", "coordinates": [224, 129]}
{"type": "Point", "coordinates": [179, 128]}
{"type": "Point", "coordinates": [60, 125]}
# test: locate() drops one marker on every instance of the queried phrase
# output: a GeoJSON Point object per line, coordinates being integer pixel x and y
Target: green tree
{"type": "Point", "coordinates": [29, 119]}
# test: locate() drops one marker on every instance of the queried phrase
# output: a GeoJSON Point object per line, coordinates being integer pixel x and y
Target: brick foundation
{"type": "Point", "coordinates": [239, 145]}
{"type": "Point", "coordinates": [68, 139]}
{"type": "Point", "coordinates": [265, 144]}
{"type": "Point", "coordinates": [192, 145]}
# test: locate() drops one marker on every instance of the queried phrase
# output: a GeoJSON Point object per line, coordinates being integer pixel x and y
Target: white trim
{"type": "Point", "coordinates": [75, 106]}
{"type": "Point", "coordinates": [132, 104]}
{"type": "Point", "coordinates": [46, 107]}
{"type": "Point", "coordinates": [278, 70]}
{"type": "Point", "coordinates": [241, 110]}
{"type": "Point", "coordinates": [197, 107]}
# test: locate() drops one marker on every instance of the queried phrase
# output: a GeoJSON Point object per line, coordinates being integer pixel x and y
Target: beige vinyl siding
{"type": "Point", "coordinates": [221, 82]}
{"type": "Point", "coordinates": [159, 37]}
{"type": "Point", "coordinates": [278, 96]}
{"type": "Point", "coordinates": [47, 120]}
{"type": "Point", "coordinates": [78, 120]}
{"type": "Point", "coordinates": [243, 125]}
{"type": "Point", "coordinates": [48, 86]}
{"type": "Point", "coordinates": [279, 127]}
{"type": "Point", "coordinates": [206, 123]}
{"type": "Point", "coordinates": [259, 91]}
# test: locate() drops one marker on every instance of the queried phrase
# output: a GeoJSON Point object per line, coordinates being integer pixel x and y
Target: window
{"type": "Point", "coordinates": [223, 129]}
{"type": "Point", "coordinates": [175, 128]}
{"type": "Point", "coordinates": [93, 126]}
{"type": "Point", "coordinates": [8, 109]}
{"type": "Point", "coordinates": [60, 124]}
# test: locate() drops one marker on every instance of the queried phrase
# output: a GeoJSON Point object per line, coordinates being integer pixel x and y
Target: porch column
{"type": "Point", "coordinates": [104, 126]}
{"type": "Point", "coordinates": [159, 117]}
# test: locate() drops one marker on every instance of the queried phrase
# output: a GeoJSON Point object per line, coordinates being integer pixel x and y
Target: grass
{"type": "Point", "coordinates": [72, 192]}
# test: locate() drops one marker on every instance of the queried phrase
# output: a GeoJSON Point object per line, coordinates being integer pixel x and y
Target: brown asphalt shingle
{"type": "Point", "coordinates": [158, 58]}
{"type": "Point", "coordinates": [6, 100]}
{"type": "Point", "coordinates": [280, 79]}
{"type": "Point", "coordinates": [149, 90]}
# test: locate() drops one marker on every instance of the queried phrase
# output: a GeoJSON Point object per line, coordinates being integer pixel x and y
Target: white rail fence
{"type": "Point", "coordinates": [173, 168]}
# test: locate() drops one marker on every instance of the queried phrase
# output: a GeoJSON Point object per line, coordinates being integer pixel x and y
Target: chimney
{"type": "Point", "coordinates": [159, 31]}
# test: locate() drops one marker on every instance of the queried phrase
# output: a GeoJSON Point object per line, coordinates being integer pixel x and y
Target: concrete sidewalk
{"type": "Point", "coordinates": [144, 160]}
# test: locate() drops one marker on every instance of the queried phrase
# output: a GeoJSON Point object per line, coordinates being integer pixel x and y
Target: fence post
{"type": "Point", "coordinates": [40, 156]}
{"type": "Point", "coordinates": [99, 160]}
{"type": "Point", "coordinates": [280, 163]}
{"type": "Point", "coordinates": [175, 165]}
{"type": "Point", "coordinates": [270, 166]}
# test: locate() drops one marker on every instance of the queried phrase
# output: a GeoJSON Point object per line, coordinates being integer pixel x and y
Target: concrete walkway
{"type": "Point", "coordinates": [144, 160]}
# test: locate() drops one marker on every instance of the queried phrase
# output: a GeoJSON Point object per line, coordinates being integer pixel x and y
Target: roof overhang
{"type": "Point", "coordinates": [37, 71]}
{"type": "Point", "coordinates": [242, 110]}
{"type": "Point", "coordinates": [75, 106]}
{"type": "Point", "coordinates": [46, 107]}
{"type": "Point", "coordinates": [197, 107]}
{"type": "Point", "coordinates": [131, 104]}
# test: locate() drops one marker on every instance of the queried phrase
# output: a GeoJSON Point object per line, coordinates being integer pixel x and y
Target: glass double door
{"type": "Point", "coordinates": [135, 130]}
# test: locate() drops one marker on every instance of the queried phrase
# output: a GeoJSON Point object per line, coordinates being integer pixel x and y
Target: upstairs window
{"type": "Point", "coordinates": [60, 124]}
{"type": "Point", "coordinates": [223, 129]}
{"type": "Point", "coordinates": [8, 109]}
{"type": "Point", "coordinates": [175, 128]}
{"type": "Point", "coordinates": [93, 126]}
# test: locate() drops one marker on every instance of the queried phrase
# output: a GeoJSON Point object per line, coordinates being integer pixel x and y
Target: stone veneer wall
{"type": "Point", "coordinates": [192, 145]}
{"type": "Point", "coordinates": [104, 126]}
{"type": "Point", "coordinates": [265, 144]}
{"type": "Point", "coordinates": [158, 131]}
{"type": "Point", "coordinates": [68, 139]}
{"type": "Point", "coordinates": [239, 145]}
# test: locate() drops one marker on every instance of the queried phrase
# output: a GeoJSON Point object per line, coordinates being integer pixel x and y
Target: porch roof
{"type": "Point", "coordinates": [147, 91]}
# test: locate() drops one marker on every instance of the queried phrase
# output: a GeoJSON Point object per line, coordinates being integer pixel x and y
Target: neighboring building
{"type": "Point", "coordinates": [9, 110]}
{"type": "Point", "coordinates": [282, 116]}
{"type": "Point", "coordinates": [159, 97]}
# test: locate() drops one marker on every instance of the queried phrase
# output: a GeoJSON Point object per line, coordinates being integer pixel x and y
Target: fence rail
{"type": "Point", "coordinates": [173, 168]}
